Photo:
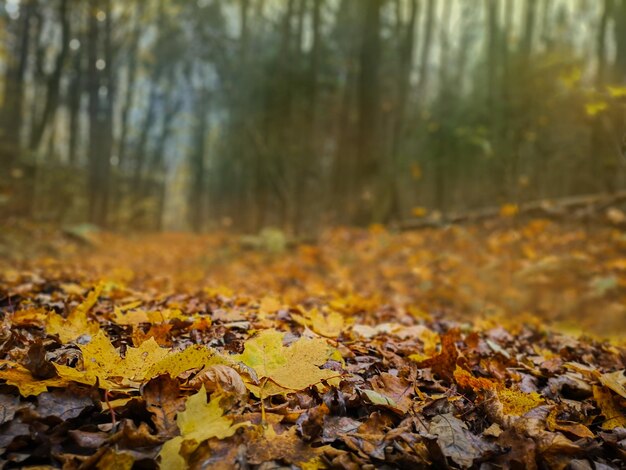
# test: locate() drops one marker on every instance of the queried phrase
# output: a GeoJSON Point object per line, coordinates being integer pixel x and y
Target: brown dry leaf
{"type": "Point", "coordinates": [444, 363]}
{"type": "Point", "coordinates": [163, 399]}
{"type": "Point", "coordinates": [219, 378]}
{"type": "Point", "coordinates": [31, 316]}
{"type": "Point", "coordinates": [577, 429]}
{"type": "Point", "coordinates": [457, 442]}
{"type": "Point", "coordinates": [113, 460]}
{"type": "Point", "coordinates": [398, 389]}
{"type": "Point", "coordinates": [286, 447]}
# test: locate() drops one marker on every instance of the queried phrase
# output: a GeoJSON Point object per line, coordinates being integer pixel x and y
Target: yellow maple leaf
{"type": "Point", "coordinates": [269, 305]}
{"type": "Point", "coordinates": [103, 364]}
{"type": "Point", "coordinates": [19, 376]}
{"type": "Point", "coordinates": [197, 423]}
{"type": "Point", "coordinates": [133, 317]}
{"type": "Point", "coordinates": [616, 381]}
{"type": "Point", "coordinates": [295, 367]}
{"type": "Point", "coordinates": [194, 357]}
{"type": "Point", "coordinates": [329, 325]}
{"type": "Point", "coordinates": [76, 324]}
{"type": "Point", "coordinates": [518, 403]}
{"type": "Point", "coordinates": [609, 409]}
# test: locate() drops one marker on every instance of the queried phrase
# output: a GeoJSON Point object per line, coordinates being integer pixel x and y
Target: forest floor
{"type": "Point", "coordinates": [449, 348]}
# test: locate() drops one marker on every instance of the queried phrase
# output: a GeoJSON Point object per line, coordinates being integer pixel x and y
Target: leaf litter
{"type": "Point", "coordinates": [320, 357]}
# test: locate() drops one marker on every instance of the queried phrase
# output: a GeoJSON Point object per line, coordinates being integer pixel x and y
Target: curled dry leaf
{"type": "Point", "coordinates": [219, 378]}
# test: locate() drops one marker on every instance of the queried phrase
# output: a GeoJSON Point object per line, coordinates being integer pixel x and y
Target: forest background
{"type": "Point", "coordinates": [177, 114]}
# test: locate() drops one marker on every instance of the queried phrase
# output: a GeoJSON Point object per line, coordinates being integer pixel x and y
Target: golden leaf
{"type": "Point", "coordinates": [20, 377]}
{"type": "Point", "coordinates": [616, 381]}
{"type": "Point", "coordinates": [295, 367]}
{"type": "Point", "coordinates": [329, 325]}
{"type": "Point", "coordinates": [102, 362]}
{"type": "Point", "coordinates": [194, 357]}
{"type": "Point", "coordinates": [76, 324]}
{"type": "Point", "coordinates": [609, 409]}
{"type": "Point", "coordinates": [197, 423]}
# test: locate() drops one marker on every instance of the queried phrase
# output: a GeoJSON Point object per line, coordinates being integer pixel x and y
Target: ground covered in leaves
{"type": "Point", "coordinates": [447, 348]}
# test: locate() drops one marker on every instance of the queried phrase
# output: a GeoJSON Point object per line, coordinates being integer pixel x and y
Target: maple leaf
{"type": "Point", "coordinates": [77, 323]}
{"type": "Point", "coordinates": [444, 363]}
{"type": "Point", "coordinates": [194, 357]}
{"type": "Point", "coordinates": [102, 362]}
{"type": "Point", "coordinates": [197, 423]}
{"type": "Point", "coordinates": [19, 376]}
{"type": "Point", "coordinates": [286, 446]}
{"type": "Point", "coordinates": [614, 418]}
{"type": "Point", "coordinates": [616, 381]}
{"type": "Point", "coordinates": [294, 368]}
{"type": "Point", "coordinates": [456, 441]}
{"type": "Point", "coordinates": [329, 325]}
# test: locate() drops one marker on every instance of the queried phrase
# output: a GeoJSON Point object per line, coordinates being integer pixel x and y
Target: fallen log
{"type": "Point", "coordinates": [577, 208]}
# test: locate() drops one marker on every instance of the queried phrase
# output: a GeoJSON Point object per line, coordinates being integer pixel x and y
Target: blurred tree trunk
{"type": "Point", "coordinates": [406, 52]}
{"type": "Point", "coordinates": [54, 79]}
{"type": "Point", "coordinates": [141, 150]}
{"type": "Point", "coordinates": [529, 30]}
{"type": "Point", "coordinates": [601, 42]}
{"type": "Point", "coordinates": [100, 109]}
{"type": "Point", "coordinates": [197, 164]}
{"type": "Point", "coordinates": [343, 177]}
{"type": "Point", "coordinates": [424, 69]}
{"type": "Point", "coordinates": [369, 145]}
{"type": "Point", "coordinates": [74, 98]}
{"type": "Point", "coordinates": [129, 95]}
{"type": "Point", "coordinates": [620, 40]}
{"type": "Point", "coordinates": [13, 106]}
{"type": "Point", "coordinates": [442, 169]}
{"type": "Point", "coordinates": [311, 147]}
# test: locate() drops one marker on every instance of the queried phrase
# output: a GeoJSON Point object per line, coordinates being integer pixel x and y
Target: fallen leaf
{"type": "Point", "coordinates": [77, 323]}
{"type": "Point", "coordinates": [295, 367]}
{"type": "Point", "coordinates": [198, 422]}
{"type": "Point", "coordinates": [456, 441]}
{"type": "Point", "coordinates": [614, 417]}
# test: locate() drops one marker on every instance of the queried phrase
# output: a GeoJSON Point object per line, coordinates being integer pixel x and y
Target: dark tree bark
{"type": "Point", "coordinates": [424, 75]}
{"type": "Point", "coordinates": [197, 163]}
{"type": "Point", "coordinates": [100, 110]}
{"type": "Point", "coordinates": [129, 95]}
{"type": "Point", "coordinates": [12, 110]}
{"type": "Point", "coordinates": [368, 110]}
{"type": "Point", "coordinates": [54, 80]}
